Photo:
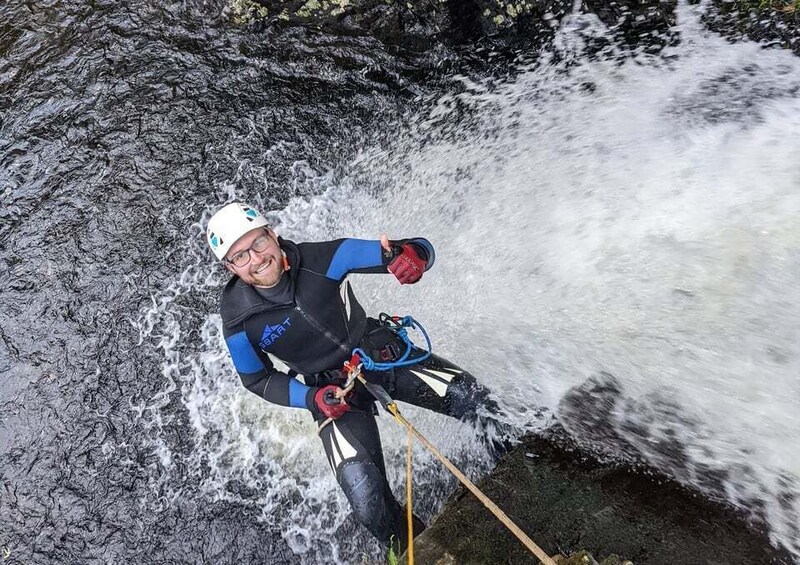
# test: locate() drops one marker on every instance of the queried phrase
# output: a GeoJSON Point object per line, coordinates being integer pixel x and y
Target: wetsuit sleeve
{"type": "Point", "coordinates": [367, 256]}
{"type": "Point", "coordinates": [259, 376]}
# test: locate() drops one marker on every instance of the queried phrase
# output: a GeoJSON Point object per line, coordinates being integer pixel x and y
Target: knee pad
{"type": "Point", "coordinates": [372, 501]}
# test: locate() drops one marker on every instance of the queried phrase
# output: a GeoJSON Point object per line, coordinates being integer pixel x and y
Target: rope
{"type": "Point", "coordinates": [409, 512]}
{"type": "Point", "coordinates": [493, 508]}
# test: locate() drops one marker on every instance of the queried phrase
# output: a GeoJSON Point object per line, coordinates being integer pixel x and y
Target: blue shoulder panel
{"type": "Point", "coordinates": [297, 394]}
{"type": "Point", "coordinates": [244, 356]}
{"type": "Point", "coordinates": [354, 254]}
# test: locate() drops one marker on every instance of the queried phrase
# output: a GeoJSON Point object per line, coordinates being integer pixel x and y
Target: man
{"type": "Point", "coordinates": [289, 306]}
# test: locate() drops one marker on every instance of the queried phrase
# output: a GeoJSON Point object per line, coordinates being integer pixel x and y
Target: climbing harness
{"type": "Point", "coordinates": [361, 359]}
{"type": "Point", "coordinates": [353, 369]}
{"type": "Point", "coordinates": [399, 326]}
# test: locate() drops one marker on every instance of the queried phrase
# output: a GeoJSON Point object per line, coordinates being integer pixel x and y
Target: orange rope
{"type": "Point", "coordinates": [409, 512]}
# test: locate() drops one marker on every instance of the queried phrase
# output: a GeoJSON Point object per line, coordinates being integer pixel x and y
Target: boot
{"type": "Point", "coordinates": [400, 544]}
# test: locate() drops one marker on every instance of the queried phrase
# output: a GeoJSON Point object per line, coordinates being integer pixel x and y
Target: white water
{"type": "Point", "coordinates": [648, 227]}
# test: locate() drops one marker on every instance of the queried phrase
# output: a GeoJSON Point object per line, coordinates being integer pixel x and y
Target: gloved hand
{"type": "Point", "coordinates": [408, 266]}
{"type": "Point", "coordinates": [326, 402]}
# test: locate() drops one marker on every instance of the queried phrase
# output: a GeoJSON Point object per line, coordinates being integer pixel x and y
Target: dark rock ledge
{"type": "Point", "coordinates": [774, 23]}
{"type": "Point", "coordinates": [568, 501]}
{"type": "Point", "coordinates": [419, 25]}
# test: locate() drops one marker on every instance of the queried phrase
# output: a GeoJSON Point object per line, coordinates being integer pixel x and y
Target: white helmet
{"type": "Point", "coordinates": [229, 224]}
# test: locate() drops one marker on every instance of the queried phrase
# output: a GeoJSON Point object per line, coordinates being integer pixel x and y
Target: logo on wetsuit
{"type": "Point", "coordinates": [272, 333]}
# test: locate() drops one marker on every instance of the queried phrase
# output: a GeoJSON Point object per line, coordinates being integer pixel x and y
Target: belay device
{"type": "Point", "coordinates": [361, 360]}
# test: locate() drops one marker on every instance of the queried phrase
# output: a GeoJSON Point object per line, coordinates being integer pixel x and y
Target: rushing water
{"type": "Point", "coordinates": [620, 235]}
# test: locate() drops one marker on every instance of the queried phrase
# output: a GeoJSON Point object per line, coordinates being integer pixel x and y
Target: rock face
{"type": "Point", "coordinates": [775, 23]}
{"type": "Point", "coordinates": [416, 24]}
{"type": "Point", "coordinates": [420, 24]}
{"type": "Point", "coordinates": [568, 501]}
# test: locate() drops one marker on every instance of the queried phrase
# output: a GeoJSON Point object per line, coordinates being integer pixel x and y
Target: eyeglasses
{"type": "Point", "coordinates": [242, 258]}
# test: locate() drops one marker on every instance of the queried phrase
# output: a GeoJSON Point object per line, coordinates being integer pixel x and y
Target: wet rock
{"type": "Point", "coordinates": [420, 24]}
{"type": "Point", "coordinates": [579, 558]}
{"type": "Point", "coordinates": [638, 24]}
{"type": "Point", "coordinates": [571, 504]}
{"type": "Point", "coordinates": [586, 558]}
{"type": "Point", "coordinates": [775, 23]}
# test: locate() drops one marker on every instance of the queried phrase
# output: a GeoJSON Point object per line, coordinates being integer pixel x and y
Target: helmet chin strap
{"type": "Point", "coordinates": [285, 261]}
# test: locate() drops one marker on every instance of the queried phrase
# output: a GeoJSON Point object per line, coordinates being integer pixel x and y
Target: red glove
{"type": "Point", "coordinates": [408, 266]}
{"type": "Point", "coordinates": [327, 403]}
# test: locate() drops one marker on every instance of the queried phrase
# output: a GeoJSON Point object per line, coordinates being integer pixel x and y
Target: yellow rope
{"type": "Point", "coordinates": [493, 508]}
{"type": "Point", "coordinates": [409, 512]}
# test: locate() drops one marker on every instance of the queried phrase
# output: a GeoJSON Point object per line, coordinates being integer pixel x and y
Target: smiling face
{"type": "Point", "coordinates": [265, 266]}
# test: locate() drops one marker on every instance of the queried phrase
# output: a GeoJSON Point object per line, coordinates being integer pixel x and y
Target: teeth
{"type": "Point", "coordinates": [263, 267]}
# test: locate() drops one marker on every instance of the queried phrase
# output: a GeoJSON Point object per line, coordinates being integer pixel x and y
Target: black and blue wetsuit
{"type": "Point", "coordinates": [287, 342]}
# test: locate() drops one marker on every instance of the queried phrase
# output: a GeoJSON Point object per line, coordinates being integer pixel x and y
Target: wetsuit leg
{"type": "Point", "coordinates": [438, 385]}
{"type": "Point", "coordinates": [435, 383]}
{"type": "Point", "coordinates": [352, 445]}
{"type": "Point", "coordinates": [441, 386]}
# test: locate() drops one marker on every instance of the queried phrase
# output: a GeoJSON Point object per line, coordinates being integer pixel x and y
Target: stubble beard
{"type": "Point", "coordinates": [268, 278]}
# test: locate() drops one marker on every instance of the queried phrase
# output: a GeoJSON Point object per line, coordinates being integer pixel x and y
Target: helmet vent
{"type": "Point", "coordinates": [229, 224]}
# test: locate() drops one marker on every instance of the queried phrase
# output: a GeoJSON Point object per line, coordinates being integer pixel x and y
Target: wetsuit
{"type": "Point", "coordinates": [289, 340]}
